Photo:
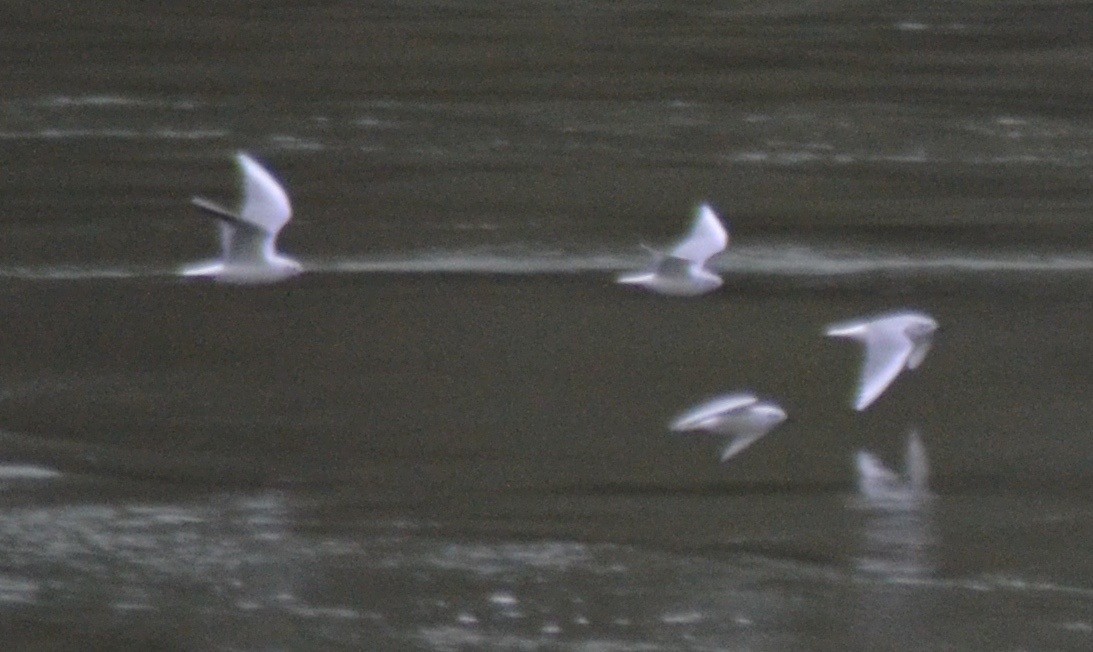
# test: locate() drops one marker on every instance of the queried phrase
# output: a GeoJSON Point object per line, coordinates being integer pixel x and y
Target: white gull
{"type": "Point", "coordinates": [248, 237]}
{"type": "Point", "coordinates": [682, 272]}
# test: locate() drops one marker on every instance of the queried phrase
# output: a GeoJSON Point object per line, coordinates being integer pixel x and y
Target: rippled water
{"type": "Point", "coordinates": [451, 432]}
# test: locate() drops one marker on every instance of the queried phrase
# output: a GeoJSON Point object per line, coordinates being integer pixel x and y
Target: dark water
{"type": "Point", "coordinates": [450, 433]}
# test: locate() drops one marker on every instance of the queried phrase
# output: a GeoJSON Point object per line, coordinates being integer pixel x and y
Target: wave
{"type": "Point", "coordinates": [526, 132]}
{"type": "Point", "coordinates": [48, 133]}
{"type": "Point", "coordinates": [779, 261]}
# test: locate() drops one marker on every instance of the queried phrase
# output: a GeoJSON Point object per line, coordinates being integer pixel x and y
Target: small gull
{"type": "Point", "coordinates": [893, 342]}
{"type": "Point", "coordinates": [740, 418]}
{"type": "Point", "coordinates": [682, 272]}
{"type": "Point", "coordinates": [249, 238]}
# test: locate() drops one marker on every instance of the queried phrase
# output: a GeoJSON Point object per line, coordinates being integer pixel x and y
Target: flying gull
{"type": "Point", "coordinates": [740, 418]}
{"type": "Point", "coordinates": [248, 237]}
{"type": "Point", "coordinates": [682, 272]}
{"type": "Point", "coordinates": [893, 342]}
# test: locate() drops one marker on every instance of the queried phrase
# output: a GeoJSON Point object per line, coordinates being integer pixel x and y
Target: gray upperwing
{"type": "Point", "coordinates": [674, 267]}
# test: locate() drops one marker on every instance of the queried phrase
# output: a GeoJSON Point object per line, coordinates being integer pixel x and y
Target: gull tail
{"type": "Point", "coordinates": [918, 468]}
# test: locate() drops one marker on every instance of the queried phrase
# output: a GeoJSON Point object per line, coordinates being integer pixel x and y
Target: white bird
{"type": "Point", "coordinates": [740, 417]}
{"type": "Point", "coordinates": [876, 482]}
{"type": "Point", "coordinates": [682, 272]}
{"type": "Point", "coordinates": [249, 238]}
{"type": "Point", "coordinates": [893, 342]}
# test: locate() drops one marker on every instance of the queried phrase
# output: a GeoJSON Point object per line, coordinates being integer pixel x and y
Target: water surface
{"type": "Point", "coordinates": [450, 433]}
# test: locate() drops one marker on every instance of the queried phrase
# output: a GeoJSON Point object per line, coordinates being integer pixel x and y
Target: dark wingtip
{"type": "Point", "coordinates": [214, 209]}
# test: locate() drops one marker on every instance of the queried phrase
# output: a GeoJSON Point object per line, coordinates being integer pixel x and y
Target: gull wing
{"type": "Point", "coordinates": [265, 203]}
{"type": "Point", "coordinates": [695, 417]}
{"type": "Point", "coordinates": [241, 243]}
{"type": "Point", "coordinates": [738, 444]}
{"type": "Point", "coordinates": [886, 354]}
{"type": "Point", "coordinates": [707, 238]}
{"type": "Point", "coordinates": [235, 234]}
{"type": "Point", "coordinates": [215, 209]}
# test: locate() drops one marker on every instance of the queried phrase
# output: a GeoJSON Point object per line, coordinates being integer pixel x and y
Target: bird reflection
{"type": "Point", "coordinates": [896, 536]}
{"type": "Point", "coordinates": [896, 548]}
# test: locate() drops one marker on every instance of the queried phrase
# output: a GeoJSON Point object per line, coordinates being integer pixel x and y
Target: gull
{"type": "Point", "coordinates": [248, 238]}
{"type": "Point", "coordinates": [740, 417]}
{"type": "Point", "coordinates": [893, 342]}
{"type": "Point", "coordinates": [876, 482]}
{"type": "Point", "coordinates": [682, 271]}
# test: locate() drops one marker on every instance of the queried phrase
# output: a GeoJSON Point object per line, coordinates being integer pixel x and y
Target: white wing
{"type": "Point", "coordinates": [694, 417]}
{"type": "Point", "coordinates": [707, 238]}
{"type": "Point", "coordinates": [854, 328]}
{"type": "Point", "coordinates": [738, 444]}
{"type": "Point", "coordinates": [886, 353]}
{"type": "Point", "coordinates": [265, 202]}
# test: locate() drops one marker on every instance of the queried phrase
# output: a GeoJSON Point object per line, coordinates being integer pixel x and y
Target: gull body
{"type": "Point", "coordinates": [740, 418]}
{"type": "Point", "coordinates": [893, 342]}
{"type": "Point", "coordinates": [878, 483]}
{"type": "Point", "coordinates": [248, 238]}
{"type": "Point", "coordinates": [682, 271]}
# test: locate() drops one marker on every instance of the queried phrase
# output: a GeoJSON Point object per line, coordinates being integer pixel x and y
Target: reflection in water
{"type": "Point", "coordinates": [881, 486]}
{"type": "Point", "coordinates": [896, 540]}
{"type": "Point", "coordinates": [896, 552]}
{"type": "Point", "coordinates": [859, 147]}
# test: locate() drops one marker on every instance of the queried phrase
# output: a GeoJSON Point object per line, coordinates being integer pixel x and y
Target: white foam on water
{"type": "Point", "coordinates": [789, 260]}
{"type": "Point", "coordinates": [10, 472]}
{"type": "Point", "coordinates": [18, 590]}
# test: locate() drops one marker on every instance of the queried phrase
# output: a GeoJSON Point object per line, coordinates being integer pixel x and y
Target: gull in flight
{"type": "Point", "coordinates": [682, 272]}
{"type": "Point", "coordinates": [876, 482]}
{"type": "Point", "coordinates": [740, 418]}
{"type": "Point", "coordinates": [893, 342]}
{"type": "Point", "coordinates": [248, 238]}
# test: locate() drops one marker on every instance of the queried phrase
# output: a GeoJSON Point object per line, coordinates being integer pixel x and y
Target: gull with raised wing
{"type": "Point", "coordinates": [876, 482]}
{"type": "Point", "coordinates": [248, 238]}
{"type": "Point", "coordinates": [740, 418]}
{"type": "Point", "coordinates": [682, 271]}
{"type": "Point", "coordinates": [893, 342]}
